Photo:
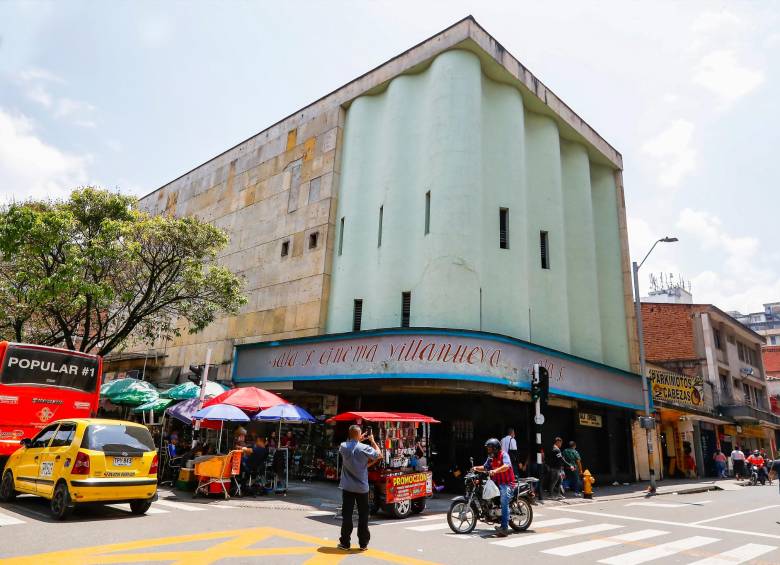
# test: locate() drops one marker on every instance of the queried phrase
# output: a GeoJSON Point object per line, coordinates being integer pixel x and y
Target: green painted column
{"type": "Point", "coordinates": [547, 287]}
{"type": "Point", "coordinates": [504, 278]}
{"type": "Point", "coordinates": [610, 275]}
{"type": "Point", "coordinates": [580, 241]}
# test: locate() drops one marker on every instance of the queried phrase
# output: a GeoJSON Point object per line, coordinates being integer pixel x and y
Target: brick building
{"type": "Point", "coordinates": [723, 357]}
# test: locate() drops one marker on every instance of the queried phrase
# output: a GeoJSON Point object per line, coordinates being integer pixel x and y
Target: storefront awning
{"type": "Point", "coordinates": [384, 417]}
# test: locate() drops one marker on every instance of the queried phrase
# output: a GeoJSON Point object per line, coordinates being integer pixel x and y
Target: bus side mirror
{"type": "Point", "coordinates": [26, 442]}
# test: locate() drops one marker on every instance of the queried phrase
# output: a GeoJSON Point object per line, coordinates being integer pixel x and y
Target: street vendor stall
{"type": "Point", "coordinates": [400, 480]}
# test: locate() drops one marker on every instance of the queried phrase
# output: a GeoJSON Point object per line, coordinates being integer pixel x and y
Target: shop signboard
{"type": "Point", "coordinates": [676, 389]}
{"type": "Point", "coordinates": [434, 354]}
{"type": "Point", "coordinates": [590, 420]}
{"type": "Point", "coordinates": [408, 487]}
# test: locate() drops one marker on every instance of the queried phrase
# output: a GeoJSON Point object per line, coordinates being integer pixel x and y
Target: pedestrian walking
{"type": "Point", "coordinates": [738, 462]}
{"type": "Point", "coordinates": [555, 464]}
{"type": "Point", "coordinates": [355, 459]}
{"type": "Point", "coordinates": [720, 463]}
{"type": "Point", "coordinates": [509, 446]}
{"type": "Point", "coordinates": [573, 467]}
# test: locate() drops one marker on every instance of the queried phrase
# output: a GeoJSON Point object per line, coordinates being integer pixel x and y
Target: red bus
{"type": "Point", "coordinates": [41, 384]}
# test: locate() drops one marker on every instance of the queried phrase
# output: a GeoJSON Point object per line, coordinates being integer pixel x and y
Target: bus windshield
{"type": "Point", "coordinates": [30, 365]}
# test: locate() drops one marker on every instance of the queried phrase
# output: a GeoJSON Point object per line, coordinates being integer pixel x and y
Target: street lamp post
{"type": "Point", "coordinates": [648, 422]}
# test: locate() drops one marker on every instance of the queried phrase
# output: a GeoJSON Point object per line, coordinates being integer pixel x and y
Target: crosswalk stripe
{"type": "Point", "coordinates": [219, 506]}
{"type": "Point", "coordinates": [738, 555]}
{"type": "Point", "coordinates": [180, 506]}
{"type": "Point", "coordinates": [529, 539]}
{"type": "Point", "coordinates": [6, 520]}
{"type": "Point", "coordinates": [658, 551]}
{"type": "Point", "coordinates": [430, 527]}
{"type": "Point", "coordinates": [554, 522]}
{"type": "Point", "coordinates": [658, 504]}
{"type": "Point", "coordinates": [408, 522]}
{"type": "Point", "coordinates": [593, 545]}
{"type": "Point", "coordinates": [126, 508]}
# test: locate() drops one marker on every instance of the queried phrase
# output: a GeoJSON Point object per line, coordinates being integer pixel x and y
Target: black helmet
{"type": "Point", "coordinates": [494, 443]}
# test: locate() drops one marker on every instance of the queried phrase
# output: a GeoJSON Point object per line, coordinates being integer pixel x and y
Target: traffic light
{"type": "Point", "coordinates": [544, 384]}
{"type": "Point", "coordinates": [540, 384]}
{"type": "Point", "coordinates": [197, 373]}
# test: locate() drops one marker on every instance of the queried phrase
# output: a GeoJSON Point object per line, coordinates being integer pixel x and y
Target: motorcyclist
{"type": "Point", "coordinates": [499, 467]}
{"type": "Point", "coordinates": [758, 462]}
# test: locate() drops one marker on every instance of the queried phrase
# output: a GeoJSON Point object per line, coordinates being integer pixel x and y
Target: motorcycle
{"type": "Point", "coordinates": [756, 476]}
{"type": "Point", "coordinates": [466, 510]}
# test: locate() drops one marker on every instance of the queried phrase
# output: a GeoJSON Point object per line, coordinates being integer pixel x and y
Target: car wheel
{"type": "Point", "coordinates": [418, 505]}
{"type": "Point", "coordinates": [60, 502]}
{"type": "Point", "coordinates": [401, 509]}
{"type": "Point", "coordinates": [7, 490]}
{"type": "Point", "coordinates": [140, 506]}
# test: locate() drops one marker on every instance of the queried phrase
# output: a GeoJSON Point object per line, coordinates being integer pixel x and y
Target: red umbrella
{"type": "Point", "coordinates": [249, 399]}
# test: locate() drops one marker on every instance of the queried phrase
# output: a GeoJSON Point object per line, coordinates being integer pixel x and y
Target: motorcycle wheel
{"type": "Point", "coordinates": [753, 480]}
{"type": "Point", "coordinates": [520, 515]}
{"type": "Point", "coordinates": [461, 517]}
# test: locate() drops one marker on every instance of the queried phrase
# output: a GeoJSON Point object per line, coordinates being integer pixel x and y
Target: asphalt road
{"type": "Point", "coordinates": [712, 528]}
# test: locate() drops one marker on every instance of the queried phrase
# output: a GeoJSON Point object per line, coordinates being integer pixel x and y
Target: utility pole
{"type": "Point", "coordinates": [204, 379]}
{"type": "Point", "coordinates": [647, 421]}
{"type": "Point", "coordinates": [540, 383]}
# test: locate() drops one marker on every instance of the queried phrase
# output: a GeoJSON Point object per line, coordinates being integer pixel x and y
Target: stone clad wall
{"type": "Point", "coordinates": [276, 187]}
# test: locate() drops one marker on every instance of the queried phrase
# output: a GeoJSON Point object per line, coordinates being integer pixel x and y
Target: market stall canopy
{"type": "Point", "coordinates": [188, 390]}
{"type": "Point", "coordinates": [221, 412]}
{"type": "Point", "coordinates": [155, 406]}
{"type": "Point", "coordinates": [248, 399]}
{"type": "Point", "coordinates": [383, 417]}
{"type": "Point", "coordinates": [288, 413]}
{"type": "Point", "coordinates": [183, 411]}
{"type": "Point", "coordinates": [130, 392]}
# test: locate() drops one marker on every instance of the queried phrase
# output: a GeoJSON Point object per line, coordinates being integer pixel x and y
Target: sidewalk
{"type": "Point", "coordinates": [326, 496]}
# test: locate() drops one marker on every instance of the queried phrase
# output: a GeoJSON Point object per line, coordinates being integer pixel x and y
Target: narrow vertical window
{"type": "Point", "coordinates": [313, 238]}
{"type": "Point", "coordinates": [503, 228]}
{"type": "Point", "coordinates": [357, 315]}
{"type": "Point", "coordinates": [406, 308]}
{"type": "Point", "coordinates": [285, 248]}
{"type": "Point", "coordinates": [428, 212]}
{"type": "Point", "coordinates": [379, 233]}
{"type": "Point", "coordinates": [544, 248]}
{"type": "Point", "coordinates": [341, 236]}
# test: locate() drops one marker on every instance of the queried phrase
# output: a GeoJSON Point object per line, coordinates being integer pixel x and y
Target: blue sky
{"type": "Point", "coordinates": [130, 95]}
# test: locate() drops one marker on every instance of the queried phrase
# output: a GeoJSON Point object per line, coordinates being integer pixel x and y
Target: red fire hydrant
{"type": "Point", "coordinates": [587, 484]}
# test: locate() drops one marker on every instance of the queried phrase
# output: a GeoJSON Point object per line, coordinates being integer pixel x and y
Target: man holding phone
{"type": "Point", "coordinates": [355, 460]}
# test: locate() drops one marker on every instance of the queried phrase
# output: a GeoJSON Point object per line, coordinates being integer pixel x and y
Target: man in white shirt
{"type": "Point", "coordinates": [509, 446]}
{"type": "Point", "coordinates": [738, 462]}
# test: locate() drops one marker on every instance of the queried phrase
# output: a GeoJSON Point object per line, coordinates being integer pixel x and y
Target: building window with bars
{"type": "Point", "coordinates": [503, 228]}
{"type": "Point", "coordinates": [406, 308]}
{"type": "Point", "coordinates": [357, 315]}
{"type": "Point", "coordinates": [544, 249]}
{"type": "Point", "coordinates": [341, 235]}
{"type": "Point", "coordinates": [427, 212]}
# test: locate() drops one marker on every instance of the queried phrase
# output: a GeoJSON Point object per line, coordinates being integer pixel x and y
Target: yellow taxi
{"type": "Point", "coordinates": [75, 461]}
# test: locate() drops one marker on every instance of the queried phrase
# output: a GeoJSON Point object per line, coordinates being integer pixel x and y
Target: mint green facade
{"type": "Point", "coordinates": [472, 143]}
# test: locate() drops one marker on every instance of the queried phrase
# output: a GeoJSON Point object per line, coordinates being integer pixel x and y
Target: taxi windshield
{"type": "Point", "coordinates": [117, 438]}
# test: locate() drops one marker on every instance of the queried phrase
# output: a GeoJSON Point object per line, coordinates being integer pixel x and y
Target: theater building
{"type": "Point", "coordinates": [416, 240]}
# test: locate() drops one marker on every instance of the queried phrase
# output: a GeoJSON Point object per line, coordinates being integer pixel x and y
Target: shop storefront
{"type": "Point", "coordinates": [477, 384]}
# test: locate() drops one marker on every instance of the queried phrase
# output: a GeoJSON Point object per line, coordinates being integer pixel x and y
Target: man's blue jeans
{"type": "Point", "coordinates": [506, 493]}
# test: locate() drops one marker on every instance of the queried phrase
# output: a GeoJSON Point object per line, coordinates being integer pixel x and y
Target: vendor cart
{"type": "Point", "coordinates": [401, 481]}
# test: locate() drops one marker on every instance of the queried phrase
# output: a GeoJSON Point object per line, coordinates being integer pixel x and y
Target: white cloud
{"type": "Point", "coordinates": [739, 277]}
{"type": "Point", "coordinates": [721, 73]}
{"type": "Point", "coordinates": [673, 153]}
{"type": "Point", "coordinates": [713, 22]}
{"type": "Point", "coordinates": [29, 167]}
{"type": "Point", "coordinates": [36, 83]}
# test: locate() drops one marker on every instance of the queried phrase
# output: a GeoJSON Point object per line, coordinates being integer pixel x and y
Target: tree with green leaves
{"type": "Point", "coordinates": [92, 272]}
